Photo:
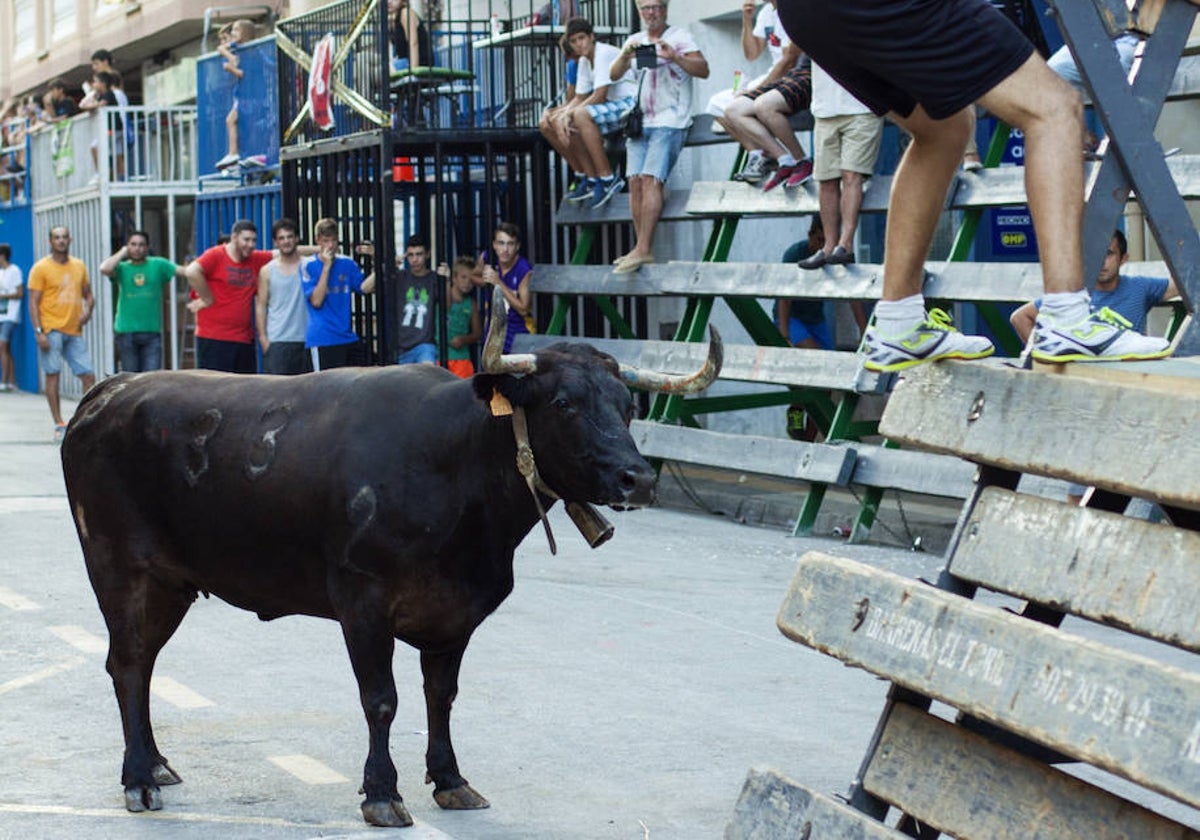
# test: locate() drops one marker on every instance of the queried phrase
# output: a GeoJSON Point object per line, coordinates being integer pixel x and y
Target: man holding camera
{"type": "Point", "coordinates": [667, 60]}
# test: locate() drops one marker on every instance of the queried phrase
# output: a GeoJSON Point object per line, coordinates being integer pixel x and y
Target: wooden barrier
{"type": "Point", "coordinates": [1026, 693]}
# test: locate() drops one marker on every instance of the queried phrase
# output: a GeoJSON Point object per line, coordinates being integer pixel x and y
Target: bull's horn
{"type": "Point", "coordinates": [652, 380]}
{"type": "Point", "coordinates": [493, 349]}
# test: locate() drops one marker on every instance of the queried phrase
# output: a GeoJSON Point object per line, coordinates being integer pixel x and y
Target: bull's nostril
{"type": "Point", "coordinates": [629, 481]}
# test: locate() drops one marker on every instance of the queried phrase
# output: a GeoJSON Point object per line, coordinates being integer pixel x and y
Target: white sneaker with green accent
{"type": "Point", "coordinates": [1105, 336]}
{"type": "Point", "coordinates": [928, 341]}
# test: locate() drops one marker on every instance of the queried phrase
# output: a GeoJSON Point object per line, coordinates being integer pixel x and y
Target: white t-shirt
{"type": "Point", "coordinates": [768, 27]}
{"type": "Point", "coordinates": [587, 81]}
{"type": "Point", "coordinates": [667, 89]}
{"type": "Point", "coordinates": [829, 99]}
{"type": "Point", "coordinates": [10, 281]}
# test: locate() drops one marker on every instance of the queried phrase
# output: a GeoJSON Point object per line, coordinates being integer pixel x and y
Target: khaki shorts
{"type": "Point", "coordinates": [849, 143]}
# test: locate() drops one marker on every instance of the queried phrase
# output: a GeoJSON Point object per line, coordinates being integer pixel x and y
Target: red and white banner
{"type": "Point", "coordinates": [318, 83]}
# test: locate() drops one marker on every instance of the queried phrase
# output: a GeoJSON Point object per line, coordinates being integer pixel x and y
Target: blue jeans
{"type": "Point", "coordinates": [654, 153]}
{"type": "Point", "coordinates": [421, 354]}
{"type": "Point", "coordinates": [139, 351]}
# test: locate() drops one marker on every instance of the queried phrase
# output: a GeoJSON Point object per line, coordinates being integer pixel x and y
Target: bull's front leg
{"type": "Point", "coordinates": [371, 657]}
{"type": "Point", "coordinates": [450, 789]}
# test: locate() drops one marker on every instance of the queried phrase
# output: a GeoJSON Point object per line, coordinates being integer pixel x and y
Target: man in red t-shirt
{"type": "Point", "coordinates": [225, 279]}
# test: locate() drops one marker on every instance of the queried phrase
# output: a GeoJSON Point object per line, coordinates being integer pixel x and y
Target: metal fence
{"type": "Point", "coordinates": [495, 71]}
{"type": "Point", "coordinates": [14, 158]}
{"type": "Point", "coordinates": [136, 148]}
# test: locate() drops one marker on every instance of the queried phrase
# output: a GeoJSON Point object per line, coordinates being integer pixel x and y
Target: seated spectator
{"type": "Point", "coordinates": [570, 77]}
{"type": "Point", "coordinates": [759, 34]}
{"type": "Point", "coordinates": [759, 120]}
{"type": "Point", "coordinates": [409, 37]}
{"type": "Point", "coordinates": [802, 323]}
{"type": "Point", "coordinates": [1129, 296]}
{"type": "Point", "coordinates": [666, 102]}
{"type": "Point", "coordinates": [577, 129]}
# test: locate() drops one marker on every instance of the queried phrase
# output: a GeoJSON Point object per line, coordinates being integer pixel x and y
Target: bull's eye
{"type": "Point", "coordinates": [562, 404]}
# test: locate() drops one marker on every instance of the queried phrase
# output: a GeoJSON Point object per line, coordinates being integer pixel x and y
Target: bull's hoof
{"type": "Point", "coordinates": [464, 798]}
{"type": "Point", "coordinates": [389, 814]}
{"type": "Point", "coordinates": [164, 775]}
{"type": "Point", "coordinates": [142, 798]}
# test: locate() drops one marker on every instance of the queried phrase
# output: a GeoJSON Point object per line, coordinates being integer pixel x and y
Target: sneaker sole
{"type": "Point", "coordinates": [909, 363]}
{"type": "Point", "coordinates": [1086, 357]}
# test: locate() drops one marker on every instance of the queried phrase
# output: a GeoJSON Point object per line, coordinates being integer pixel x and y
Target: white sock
{"type": "Point", "coordinates": [896, 317]}
{"type": "Point", "coordinates": [1066, 307]}
{"type": "Point", "coordinates": [756, 154]}
{"type": "Point", "coordinates": [787, 160]}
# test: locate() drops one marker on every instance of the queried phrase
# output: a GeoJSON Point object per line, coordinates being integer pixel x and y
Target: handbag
{"type": "Point", "coordinates": [634, 117]}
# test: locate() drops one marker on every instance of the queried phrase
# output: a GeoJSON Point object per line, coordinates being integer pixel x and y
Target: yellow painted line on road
{"type": "Point", "coordinates": [32, 504]}
{"type": "Point", "coordinates": [81, 639]}
{"type": "Point", "coordinates": [177, 694]}
{"type": "Point", "coordinates": [16, 601]}
{"type": "Point", "coordinates": [307, 769]}
{"type": "Point", "coordinates": [38, 676]}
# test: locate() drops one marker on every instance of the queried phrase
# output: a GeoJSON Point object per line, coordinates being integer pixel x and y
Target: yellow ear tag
{"type": "Point", "coordinates": [501, 407]}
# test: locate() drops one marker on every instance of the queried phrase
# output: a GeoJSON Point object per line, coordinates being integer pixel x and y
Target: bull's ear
{"type": "Point", "coordinates": [518, 390]}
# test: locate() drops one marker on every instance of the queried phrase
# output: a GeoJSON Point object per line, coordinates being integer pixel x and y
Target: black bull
{"type": "Point", "coordinates": [386, 499]}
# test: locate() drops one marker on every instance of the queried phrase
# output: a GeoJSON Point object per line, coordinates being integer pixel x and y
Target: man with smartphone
{"type": "Point", "coordinates": [667, 60]}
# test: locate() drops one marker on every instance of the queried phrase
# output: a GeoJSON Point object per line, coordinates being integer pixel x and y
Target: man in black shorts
{"type": "Point", "coordinates": [924, 62]}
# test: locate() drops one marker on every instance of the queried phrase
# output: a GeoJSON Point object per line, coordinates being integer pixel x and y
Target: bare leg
{"type": "Point", "coordinates": [571, 153]}
{"type": "Point", "coordinates": [637, 192]}
{"type": "Point", "coordinates": [592, 142]}
{"type": "Point", "coordinates": [87, 381]}
{"type": "Point", "coordinates": [851, 204]}
{"type": "Point", "coordinates": [645, 218]}
{"type": "Point", "coordinates": [7, 370]}
{"type": "Point", "coordinates": [1050, 113]}
{"type": "Point", "coordinates": [52, 398]}
{"type": "Point", "coordinates": [829, 200]}
{"type": "Point", "coordinates": [918, 194]}
{"type": "Point", "coordinates": [772, 112]}
{"type": "Point", "coordinates": [231, 131]}
{"type": "Point", "coordinates": [742, 117]}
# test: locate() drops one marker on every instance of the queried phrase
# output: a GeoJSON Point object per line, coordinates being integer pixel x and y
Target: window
{"type": "Point", "coordinates": [24, 27]}
{"type": "Point", "coordinates": [63, 15]}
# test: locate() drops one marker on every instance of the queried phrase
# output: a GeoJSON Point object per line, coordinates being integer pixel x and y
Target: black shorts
{"type": "Point", "coordinates": [894, 54]}
{"type": "Point", "coordinates": [795, 86]}
{"type": "Point", "coordinates": [229, 356]}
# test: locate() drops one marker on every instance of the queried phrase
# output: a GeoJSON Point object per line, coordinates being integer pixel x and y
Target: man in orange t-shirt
{"type": "Point", "coordinates": [60, 303]}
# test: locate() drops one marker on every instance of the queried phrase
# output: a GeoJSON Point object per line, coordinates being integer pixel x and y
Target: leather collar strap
{"type": "Point", "coordinates": [527, 467]}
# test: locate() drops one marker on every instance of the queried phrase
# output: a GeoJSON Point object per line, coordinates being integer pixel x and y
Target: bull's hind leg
{"type": "Point", "coordinates": [371, 647]}
{"type": "Point", "coordinates": [450, 789]}
{"type": "Point", "coordinates": [141, 614]}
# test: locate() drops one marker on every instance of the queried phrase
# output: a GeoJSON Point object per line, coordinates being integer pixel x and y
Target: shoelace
{"type": "Point", "coordinates": [1113, 317]}
{"type": "Point", "coordinates": [942, 320]}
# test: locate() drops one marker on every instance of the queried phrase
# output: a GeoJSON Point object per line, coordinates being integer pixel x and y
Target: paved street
{"type": "Point", "coordinates": [618, 693]}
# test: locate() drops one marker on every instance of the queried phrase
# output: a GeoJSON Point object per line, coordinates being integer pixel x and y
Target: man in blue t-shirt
{"type": "Point", "coordinates": [1130, 297]}
{"type": "Point", "coordinates": [329, 280]}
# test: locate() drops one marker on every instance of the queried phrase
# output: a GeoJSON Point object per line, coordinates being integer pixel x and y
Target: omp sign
{"type": "Point", "coordinates": [1014, 239]}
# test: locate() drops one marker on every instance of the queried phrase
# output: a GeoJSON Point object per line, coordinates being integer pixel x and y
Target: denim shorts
{"type": "Point", "coordinates": [70, 347]}
{"type": "Point", "coordinates": [7, 328]}
{"type": "Point", "coordinates": [421, 354]}
{"type": "Point", "coordinates": [654, 153]}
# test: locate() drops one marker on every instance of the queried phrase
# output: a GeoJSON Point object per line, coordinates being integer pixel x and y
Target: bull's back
{"type": "Point", "coordinates": [230, 484]}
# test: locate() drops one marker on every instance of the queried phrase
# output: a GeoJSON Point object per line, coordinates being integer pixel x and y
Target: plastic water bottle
{"type": "Point", "coordinates": [737, 82]}
{"type": "Point", "coordinates": [555, 12]}
{"type": "Point", "coordinates": [495, 24]}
